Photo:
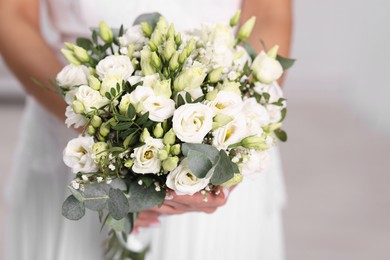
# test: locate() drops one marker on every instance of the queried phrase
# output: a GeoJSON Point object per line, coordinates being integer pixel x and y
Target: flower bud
{"type": "Point", "coordinates": [176, 149]}
{"type": "Point", "coordinates": [265, 68]}
{"type": "Point", "coordinates": [210, 96]}
{"type": "Point", "coordinates": [165, 125]}
{"type": "Point", "coordinates": [81, 54]}
{"type": "Point", "coordinates": [162, 88]}
{"type": "Point", "coordinates": [174, 61]}
{"type": "Point", "coordinates": [152, 46]}
{"type": "Point", "coordinates": [183, 56]}
{"type": "Point", "coordinates": [235, 19]}
{"type": "Point", "coordinates": [78, 107]}
{"type": "Point", "coordinates": [189, 79]}
{"type": "Point", "coordinates": [100, 150]}
{"type": "Point", "coordinates": [129, 163]}
{"type": "Point", "coordinates": [156, 38]}
{"type": "Point", "coordinates": [146, 29]}
{"type": "Point", "coordinates": [158, 131]}
{"type": "Point", "coordinates": [69, 45]}
{"type": "Point", "coordinates": [273, 52]}
{"type": "Point", "coordinates": [171, 32]}
{"type": "Point", "coordinates": [254, 142]}
{"type": "Point", "coordinates": [91, 130]}
{"type": "Point", "coordinates": [146, 62]}
{"type": "Point", "coordinates": [221, 120]}
{"type": "Point", "coordinates": [246, 29]}
{"type": "Point", "coordinates": [106, 33]}
{"type": "Point", "coordinates": [215, 75]}
{"type": "Point", "coordinates": [96, 121]}
{"type": "Point", "coordinates": [237, 178]}
{"type": "Point", "coordinates": [178, 39]}
{"type": "Point", "coordinates": [104, 130]}
{"type": "Point", "coordinates": [162, 25]}
{"type": "Point", "coordinates": [130, 50]}
{"type": "Point", "coordinates": [169, 137]}
{"type": "Point", "coordinates": [162, 155]}
{"type": "Point", "coordinates": [94, 83]}
{"type": "Point", "coordinates": [145, 135]}
{"type": "Point", "coordinates": [170, 164]}
{"type": "Point", "coordinates": [70, 58]}
{"type": "Point", "coordinates": [169, 50]}
{"type": "Point", "coordinates": [156, 61]}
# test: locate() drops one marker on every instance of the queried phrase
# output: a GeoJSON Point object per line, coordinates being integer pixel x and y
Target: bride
{"type": "Point", "coordinates": [248, 226]}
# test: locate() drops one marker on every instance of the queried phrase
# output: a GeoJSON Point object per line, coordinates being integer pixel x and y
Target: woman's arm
{"type": "Point", "coordinates": [273, 23]}
{"type": "Point", "coordinates": [26, 52]}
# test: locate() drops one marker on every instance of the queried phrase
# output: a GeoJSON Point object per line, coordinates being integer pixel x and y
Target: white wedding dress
{"type": "Point", "coordinates": [247, 227]}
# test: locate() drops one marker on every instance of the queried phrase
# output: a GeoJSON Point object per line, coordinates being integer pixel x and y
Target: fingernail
{"type": "Point", "coordinates": [226, 192]}
{"type": "Point", "coordinates": [169, 196]}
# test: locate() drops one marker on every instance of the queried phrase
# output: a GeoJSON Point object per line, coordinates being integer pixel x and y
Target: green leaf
{"type": "Point", "coordinates": [122, 126]}
{"type": "Point", "coordinates": [94, 37]}
{"type": "Point", "coordinates": [131, 111]}
{"type": "Point", "coordinates": [108, 95]}
{"type": "Point", "coordinates": [147, 181]}
{"type": "Point", "coordinates": [121, 31]}
{"type": "Point", "coordinates": [281, 135]}
{"type": "Point", "coordinates": [266, 96]}
{"type": "Point", "coordinates": [113, 92]}
{"type": "Point", "coordinates": [223, 170]}
{"type": "Point", "coordinates": [130, 139]}
{"type": "Point", "coordinates": [188, 97]}
{"type": "Point", "coordinates": [95, 196]}
{"type": "Point", "coordinates": [84, 43]}
{"type": "Point", "coordinates": [118, 205]}
{"type": "Point", "coordinates": [143, 119]}
{"type": "Point", "coordinates": [250, 50]}
{"type": "Point", "coordinates": [73, 209]}
{"type": "Point", "coordinates": [285, 62]}
{"type": "Point", "coordinates": [127, 132]}
{"type": "Point", "coordinates": [180, 100]}
{"type": "Point", "coordinates": [117, 225]}
{"type": "Point", "coordinates": [142, 198]}
{"type": "Point", "coordinates": [198, 163]}
{"type": "Point", "coordinates": [76, 194]}
{"type": "Point", "coordinates": [199, 99]}
{"type": "Point", "coordinates": [118, 184]}
{"type": "Point", "coordinates": [284, 113]}
{"type": "Point", "coordinates": [118, 88]}
{"type": "Point", "coordinates": [119, 117]}
{"type": "Point", "coordinates": [150, 18]}
{"type": "Point", "coordinates": [210, 151]}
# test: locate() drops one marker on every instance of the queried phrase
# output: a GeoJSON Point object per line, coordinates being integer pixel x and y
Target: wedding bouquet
{"type": "Point", "coordinates": [161, 110]}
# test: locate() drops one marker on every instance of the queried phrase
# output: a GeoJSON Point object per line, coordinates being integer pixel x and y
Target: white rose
{"type": "Point", "coordinates": [274, 90]}
{"type": "Point", "coordinates": [138, 97]}
{"type": "Point", "coordinates": [231, 133]}
{"type": "Point", "coordinates": [72, 75]}
{"type": "Point", "coordinates": [183, 182]}
{"type": "Point", "coordinates": [266, 69]}
{"type": "Point", "coordinates": [115, 65]}
{"type": "Point", "coordinates": [159, 108]}
{"type": "Point", "coordinates": [256, 116]}
{"type": "Point", "coordinates": [74, 119]}
{"type": "Point", "coordinates": [146, 157]}
{"type": "Point", "coordinates": [258, 162]}
{"type": "Point", "coordinates": [78, 155]}
{"type": "Point", "coordinates": [226, 102]}
{"type": "Point", "coordinates": [90, 98]}
{"type": "Point", "coordinates": [134, 36]}
{"type": "Point", "coordinates": [192, 122]}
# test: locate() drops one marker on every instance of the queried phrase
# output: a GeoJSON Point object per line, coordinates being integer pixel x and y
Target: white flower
{"type": "Point", "coordinates": [258, 162]}
{"type": "Point", "coordinates": [274, 112]}
{"type": "Point", "coordinates": [69, 96]}
{"type": "Point", "coordinates": [119, 66]}
{"type": "Point", "coordinates": [192, 122]}
{"type": "Point", "coordinates": [159, 108]}
{"type": "Point", "coordinates": [144, 100]}
{"type": "Point", "coordinates": [274, 90]}
{"type": "Point", "coordinates": [110, 82]}
{"type": "Point", "coordinates": [146, 157]}
{"type": "Point", "coordinates": [90, 98]}
{"type": "Point", "coordinates": [74, 119]}
{"type": "Point", "coordinates": [78, 155]}
{"type": "Point", "coordinates": [266, 69]}
{"type": "Point", "coordinates": [231, 133]}
{"type": "Point", "coordinates": [256, 116]}
{"type": "Point", "coordinates": [183, 182]}
{"type": "Point", "coordinates": [124, 104]}
{"type": "Point", "coordinates": [226, 102]}
{"type": "Point", "coordinates": [72, 75]}
{"type": "Point", "coordinates": [242, 58]}
{"type": "Point", "coordinates": [134, 36]}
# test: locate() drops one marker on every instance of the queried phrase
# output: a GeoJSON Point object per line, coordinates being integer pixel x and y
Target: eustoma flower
{"type": "Point", "coordinates": [78, 155]}
{"type": "Point", "coordinates": [146, 157]}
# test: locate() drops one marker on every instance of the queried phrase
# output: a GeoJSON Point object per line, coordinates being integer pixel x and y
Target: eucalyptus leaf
{"type": "Point", "coordinates": [73, 209]}
{"type": "Point", "coordinates": [142, 198]}
{"type": "Point", "coordinates": [285, 62]}
{"type": "Point", "coordinates": [95, 196]}
{"type": "Point", "coordinates": [76, 194]}
{"type": "Point", "coordinates": [223, 170]}
{"type": "Point", "coordinates": [118, 205]}
{"type": "Point", "coordinates": [150, 18]}
{"type": "Point", "coordinates": [118, 184]}
{"type": "Point", "coordinates": [210, 151]}
{"type": "Point", "coordinates": [116, 225]}
{"type": "Point", "coordinates": [198, 163]}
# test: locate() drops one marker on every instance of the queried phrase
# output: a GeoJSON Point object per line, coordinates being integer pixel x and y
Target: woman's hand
{"type": "Point", "coordinates": [179, 204]}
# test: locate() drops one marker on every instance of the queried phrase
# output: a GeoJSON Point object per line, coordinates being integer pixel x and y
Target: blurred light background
{"type": "Point", "coordinates": [337, 159]}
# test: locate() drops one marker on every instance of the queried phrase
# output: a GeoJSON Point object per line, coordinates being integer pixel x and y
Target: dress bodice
{"type": "Point", "coordinates": [73, 18]}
